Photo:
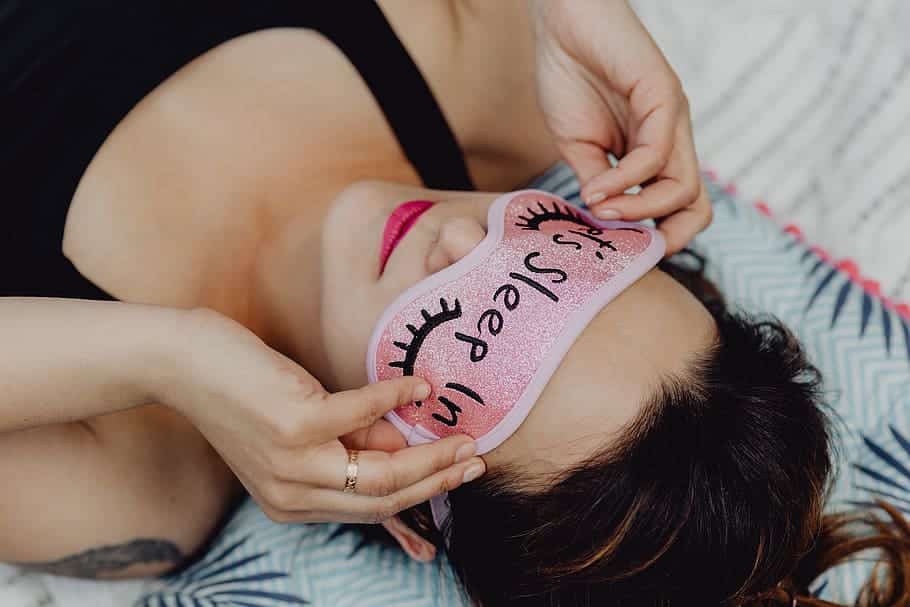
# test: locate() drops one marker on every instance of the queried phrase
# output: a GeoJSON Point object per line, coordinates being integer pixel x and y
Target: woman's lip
{"type": "Point", "coordinates": [400, 221]}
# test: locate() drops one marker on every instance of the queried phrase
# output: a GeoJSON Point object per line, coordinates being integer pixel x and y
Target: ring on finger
{"type": "Point", "coordinates": [353, 467]}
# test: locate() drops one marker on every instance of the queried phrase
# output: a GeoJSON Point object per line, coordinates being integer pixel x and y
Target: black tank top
{"type": "Point", "coordinates": [70, 71]}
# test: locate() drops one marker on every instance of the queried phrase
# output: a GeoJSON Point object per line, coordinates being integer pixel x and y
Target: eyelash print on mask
{"type": "Point", "coordinates": [557, 213]}
{"type": "Point", "coordinates": [543, 280]}
{"type": "Point", "coordinates": [565, 213]}
{"type": "Point", "coordinates": [418, 335]}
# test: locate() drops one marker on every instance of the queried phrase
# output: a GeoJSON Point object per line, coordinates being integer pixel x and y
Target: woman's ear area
{"type": "Point", "coordinates": [417, 547]}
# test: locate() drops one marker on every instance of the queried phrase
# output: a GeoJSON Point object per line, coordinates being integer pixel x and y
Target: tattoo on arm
{"type": "Point", "coordinates": [105, 561]}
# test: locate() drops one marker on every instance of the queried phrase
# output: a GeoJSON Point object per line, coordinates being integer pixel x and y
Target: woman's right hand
{"type": "Point", "coordinates": [278, 429]}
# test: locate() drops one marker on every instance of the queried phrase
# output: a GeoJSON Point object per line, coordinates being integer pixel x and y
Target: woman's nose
{"type": "Point", "coordinates": [457, 237]}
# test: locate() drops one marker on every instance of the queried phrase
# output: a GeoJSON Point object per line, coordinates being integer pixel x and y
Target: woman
{"type": "Point", "coordinates": [699, 481]}
{"type": "Point", "coordinates": [679, 455]}
{"type": "Point", "coordinates": [165, 148]}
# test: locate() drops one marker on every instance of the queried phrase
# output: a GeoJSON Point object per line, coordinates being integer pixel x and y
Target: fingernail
{"type": "Point", "coordinates": [422, 391]}
{"type": "Point", "coordinates": [595, 198]}
{"type": "Point", "coordinates": [472, 473]}
{"type": "Point", "coordinates": [607, 214]}
{"type": "Point", "coordinates": [465, 452]}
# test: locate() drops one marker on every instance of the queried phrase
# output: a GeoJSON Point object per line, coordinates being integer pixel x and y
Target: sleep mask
{"type": "Point", "coordinates": [490, 330]}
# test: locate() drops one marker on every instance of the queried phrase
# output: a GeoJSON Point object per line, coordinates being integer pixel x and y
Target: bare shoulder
{"type": "Point", "coordinates": [259, 129]}
{"type": "Point", "coordinates": [186, 185]}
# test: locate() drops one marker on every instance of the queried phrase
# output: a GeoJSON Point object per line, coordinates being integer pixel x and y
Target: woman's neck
{"type": "Point", "coordinates": [478, 58]}
{"type": "Point", "coordinates": [286, 287]}
{"type": "Point", "coordinates": [501, 154]}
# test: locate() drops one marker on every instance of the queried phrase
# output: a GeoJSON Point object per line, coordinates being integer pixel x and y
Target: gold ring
{"type": "Point", "coordinates": [350, 479]}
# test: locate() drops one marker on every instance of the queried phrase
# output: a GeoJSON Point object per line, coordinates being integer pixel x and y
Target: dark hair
{"type": "Point", "coordinates": [712, 497]}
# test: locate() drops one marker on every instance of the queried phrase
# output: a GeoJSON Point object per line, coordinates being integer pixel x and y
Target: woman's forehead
{"type": "Point", "coordinates": [653, 330]}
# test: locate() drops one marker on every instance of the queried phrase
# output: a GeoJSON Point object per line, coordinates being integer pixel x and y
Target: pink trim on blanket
{"type": "Point", "coordinates": [847, 266]}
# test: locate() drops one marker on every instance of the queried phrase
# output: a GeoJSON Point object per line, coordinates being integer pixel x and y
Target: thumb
{"type": "Point", "coordinates": [587, 159]}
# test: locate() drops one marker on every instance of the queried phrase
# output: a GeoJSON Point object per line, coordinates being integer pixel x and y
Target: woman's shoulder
{"type": "Point", "coordinates": [251, 130]}
{"type": "Point", "coordinates": [143, 159]}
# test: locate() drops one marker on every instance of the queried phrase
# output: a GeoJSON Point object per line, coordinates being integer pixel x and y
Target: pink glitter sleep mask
{"type": "Point", "coordinates": [490, 330]}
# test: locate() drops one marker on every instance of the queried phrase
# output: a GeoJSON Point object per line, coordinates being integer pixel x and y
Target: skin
{"type": "Point", "coordinates": [354, 295]}
{"type": "Point", "coordinates": [604, 85]}
{"type": "Point", "coordinates": [598, 389]}
{"type": "Point", "coordinates": [188, 199]}
{"type": "Point", "coordinates": [187, 195]}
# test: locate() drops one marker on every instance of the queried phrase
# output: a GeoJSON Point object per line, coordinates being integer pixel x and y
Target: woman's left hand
{"type": "Point", "coordinates": [605, 86]}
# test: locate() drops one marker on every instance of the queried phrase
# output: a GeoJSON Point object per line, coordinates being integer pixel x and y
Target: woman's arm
{"type": "Point", "coordinates": [63, 360]}
{"type": "Point", "coordinates": [270, 420]}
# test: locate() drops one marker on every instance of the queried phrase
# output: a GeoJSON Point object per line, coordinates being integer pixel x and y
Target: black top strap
{"type": "Point", "coordinates": [71, 71]}
{"type": "Point", "coordinates": [396, 83]}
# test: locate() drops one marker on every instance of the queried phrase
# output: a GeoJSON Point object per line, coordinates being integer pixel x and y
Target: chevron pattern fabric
{"type": "Point", "coordinates": [861, 345]}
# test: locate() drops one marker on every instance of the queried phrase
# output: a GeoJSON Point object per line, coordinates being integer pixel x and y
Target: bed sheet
{"type": "Point", "coordinates": [19, 588]}
{"type": "Point", "coordinates": [802, 105]}
{"type": "Point", "coordinates": [805, 106]}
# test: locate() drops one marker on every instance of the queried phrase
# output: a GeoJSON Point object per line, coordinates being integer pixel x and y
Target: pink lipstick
{"type": "Point", "coordinates": [401, 220]}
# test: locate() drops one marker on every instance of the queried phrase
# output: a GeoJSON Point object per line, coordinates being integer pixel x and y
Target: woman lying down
{"type": "Point", "coordinates": [643, 445]}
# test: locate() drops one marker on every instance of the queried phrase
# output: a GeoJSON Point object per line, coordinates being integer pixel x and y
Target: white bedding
{"type": "Point", "coordinates": [21, 589]}
{"type": "Point", "coordinates": [803, 105]}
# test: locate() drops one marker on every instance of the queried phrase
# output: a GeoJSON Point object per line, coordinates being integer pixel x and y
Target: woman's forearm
{"type": "Point", "coordinates": [64, 360]}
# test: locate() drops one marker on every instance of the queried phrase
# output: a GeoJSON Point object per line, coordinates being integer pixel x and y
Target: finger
{"type": "Point", "coordinates": [379, 473]}
{"type": "Point", "coordinates": [682, 166]}
{"type": "Point", "coordinates": [640, 165]}
{"type": "Point", "coordinates": [677, 187]}
{"type": "Point", "coordinates": [345, 412]}
{"type": "Point", "coordinates": [680, 200]}
{"type": "Point", "coordinates": [679, 228]}
{"type": "Point", "coordinates": [258, 496]}
{"type": "Point", "coordinates": [381, 436]}
{"type": "Point", "coordinates": [355, 507]}
{"type": "Point", "coordinates": [649, 154]}
{"type": "Point", "coordinates": [657, 200]}
{"type": "Point", "coordinates": [587, 159]}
